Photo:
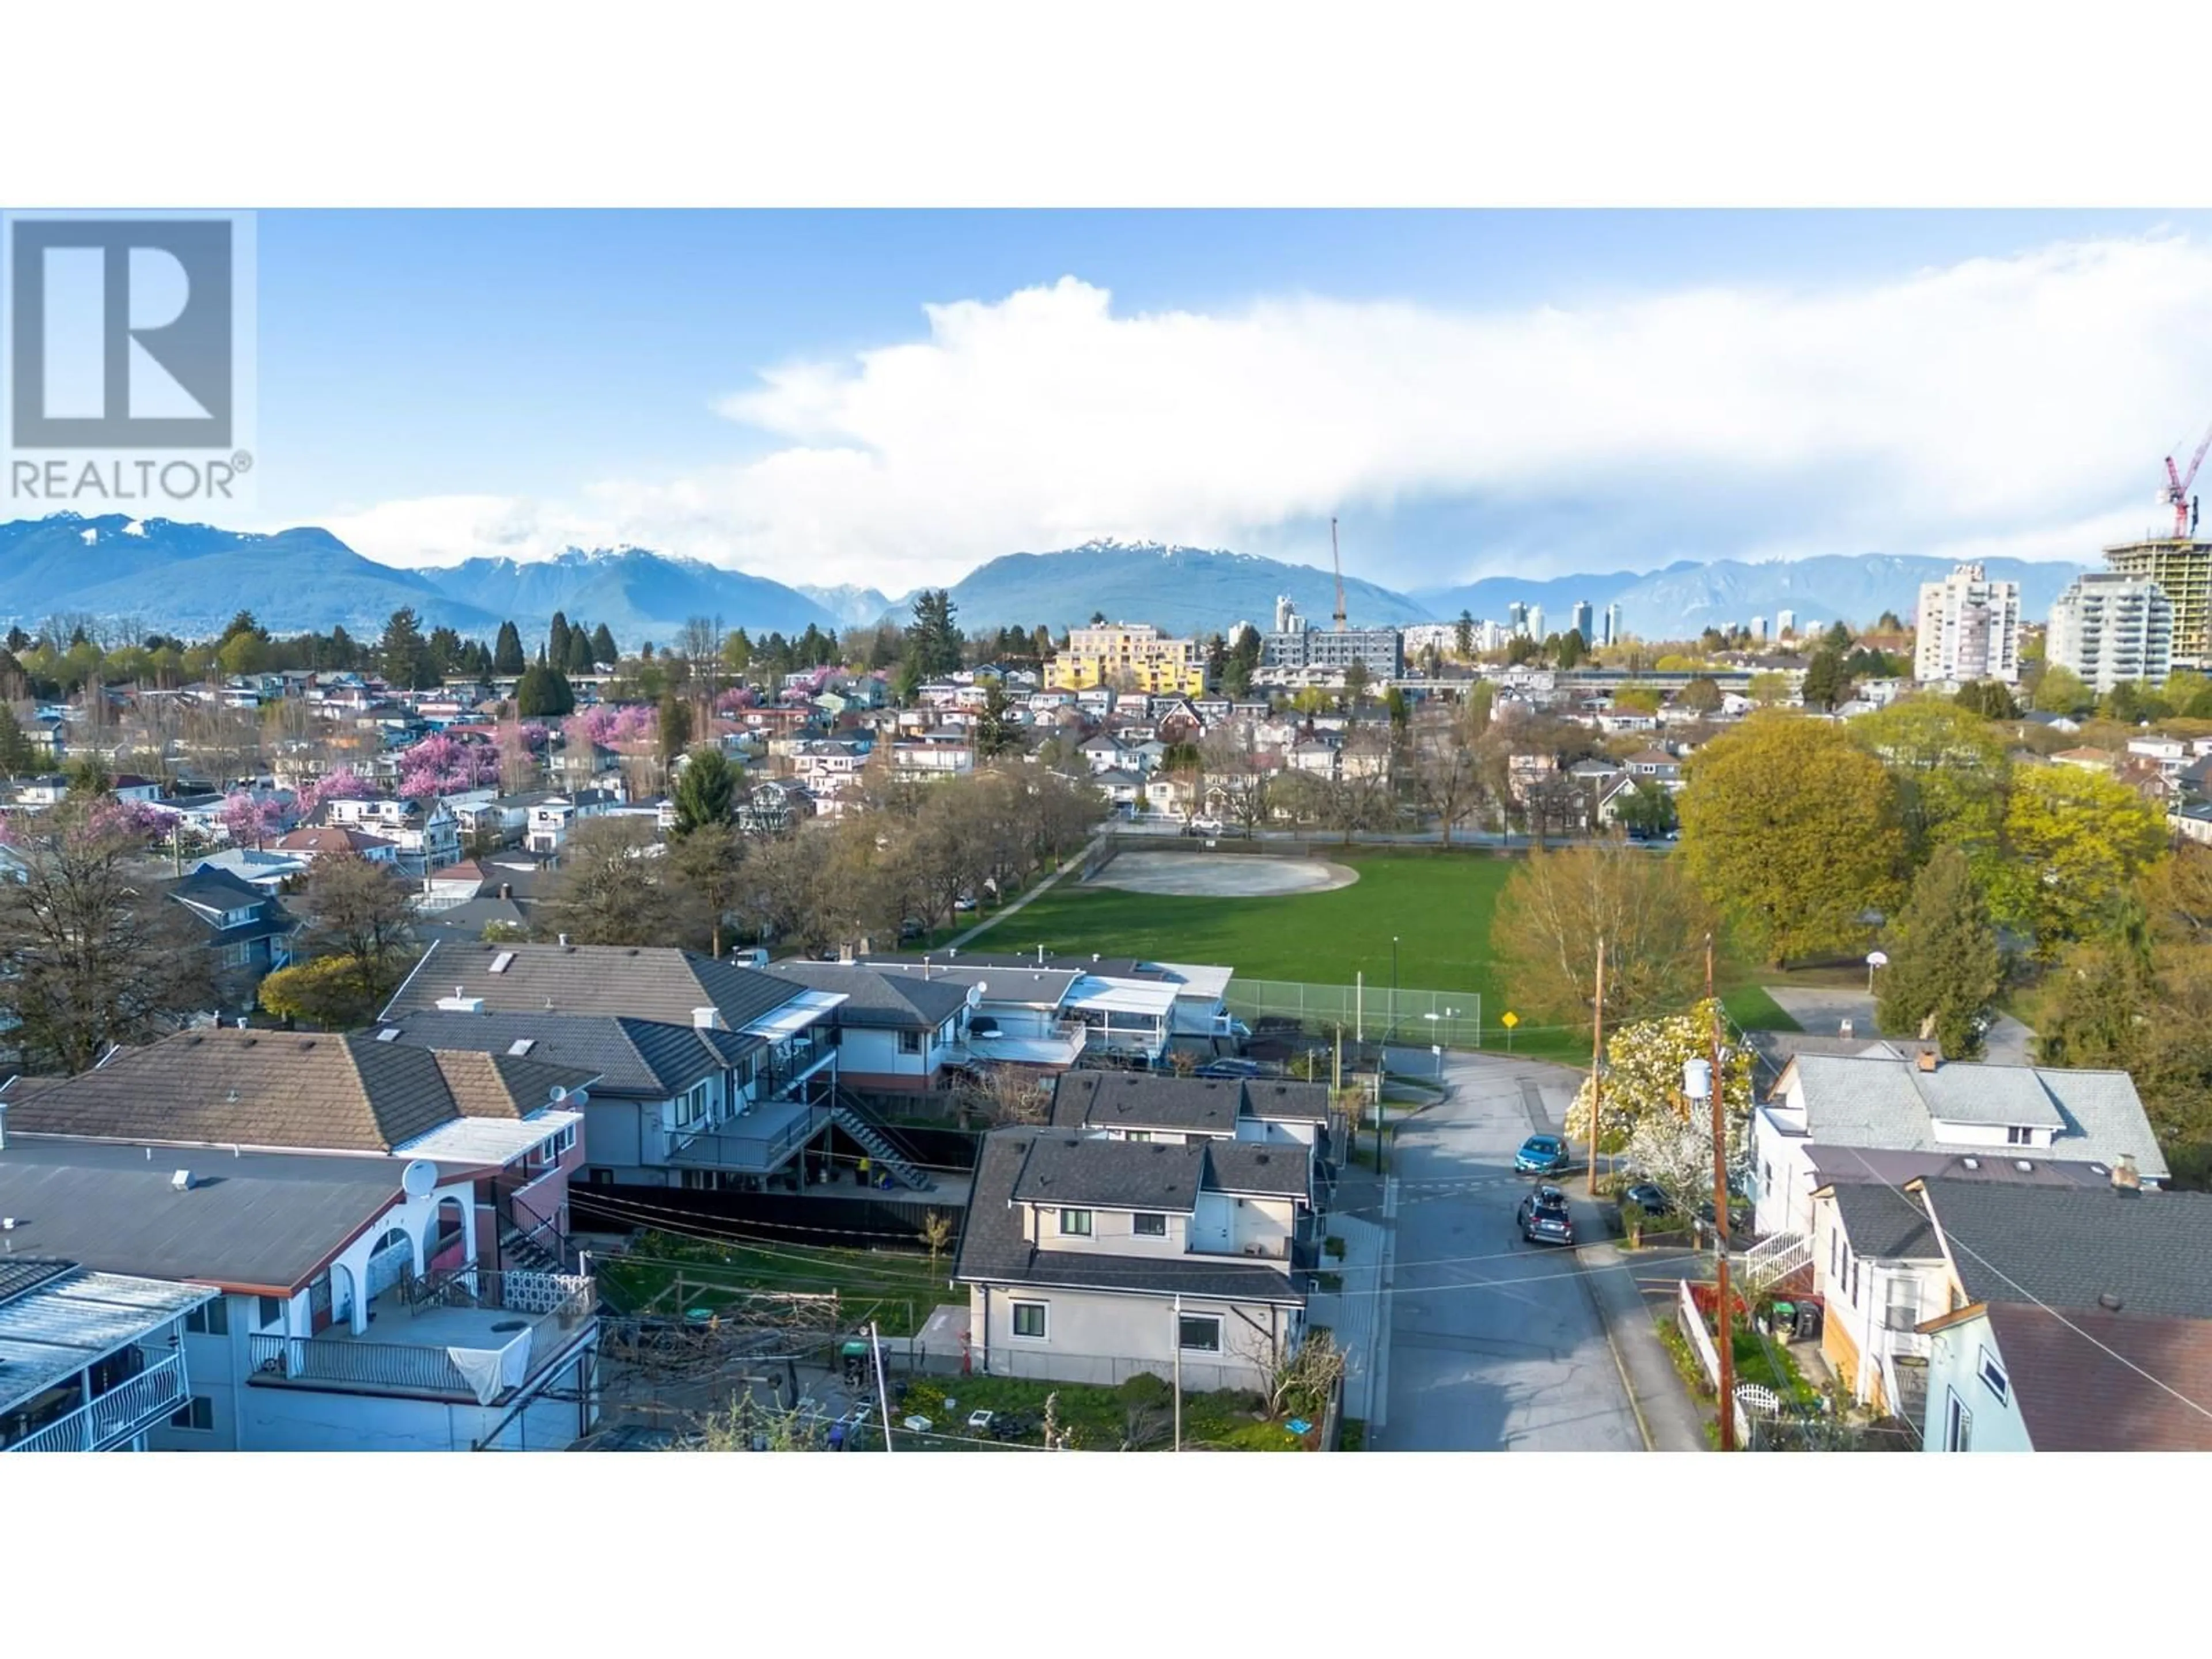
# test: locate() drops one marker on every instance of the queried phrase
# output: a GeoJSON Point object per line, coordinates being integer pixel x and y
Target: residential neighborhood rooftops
{"type": "Point", "coordinates": [649, 1059]}
{"type": "Point", "coordinates": [254, 1221]}
{"type": "Point", "coordinates": [2152, 1252]}
{"type": "Point", "coordinates": [1114, 1174]}
{"type": "Point", "coordinates": [268, 1089]}
{"type": "Point", "coordinates": [873, 998]}
{"type": "Point", "coordinates": [1152, 1100]}
{"type": "Point", "coordinates": [1883, 1223]}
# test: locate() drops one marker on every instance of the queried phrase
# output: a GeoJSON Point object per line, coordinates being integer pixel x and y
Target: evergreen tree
{"type": "Point", "coordinates": [1463, 636]}
{"type": "Point", "coordinates": [932, 639]}
{"type": "Point", "coordinates": [556, 641]}
{"type": "Point", "coordinates": [603, 646]}
{"type": "Point", "coordinates": [402, 656]}
{"type": "Point", "coordinates": [1826, 683]}
{"type": "Point", "coordinates": [544, 693]}
{"type": "Point", "coordinates": [705, 791]}
{"type": "Point", "coordinates": [995, 730]}
{"type": "Point", "coordinates": [579, 660]}
{"type": "Point", "coordinates": [1944, 963]}
{"type": "Point", "coordinates": [243, 623]}
{"type": "Point", "coordinates": [506, 656]}
{"type": "Point", "coordinates": [16, 755]}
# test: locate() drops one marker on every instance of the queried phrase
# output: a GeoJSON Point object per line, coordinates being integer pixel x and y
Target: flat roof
{"type": "Point", "coordinates": [487, 1140]}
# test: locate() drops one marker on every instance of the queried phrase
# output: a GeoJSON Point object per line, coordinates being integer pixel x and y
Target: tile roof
{"type": "Point", "coordinates": [2069, 1246]}
{"type": "Point", "coordinates": [993, 1250]}
{"type": "Point", "coordinates": [650, 983]}
{"type": "Point", "coordinates": [641, 1058]}
{"type": "Point", "coordinates": [1869, 1100]}
{"type": "Point", "coordinates": [2074, 1396]}
{"type": "Point", "coordinates": [271, 1089]}
{"type": "Point", "coordinates": [874, 998]}
{"type": "Point", "coordinates": [260, 1220]}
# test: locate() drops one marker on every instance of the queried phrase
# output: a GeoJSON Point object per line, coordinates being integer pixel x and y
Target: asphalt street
{"type": "Point", "coordinates": [1493, 1345]}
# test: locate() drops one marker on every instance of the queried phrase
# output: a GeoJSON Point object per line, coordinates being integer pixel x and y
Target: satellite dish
{"type": "Point", "coordinates": [578, 1099]}
{"type": "Point", "coordinates": [558, 1094]}
{"type": "Point", "coordinates": [419, 1178]}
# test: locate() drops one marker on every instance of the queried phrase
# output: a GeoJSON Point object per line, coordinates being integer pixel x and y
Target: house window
{"type": "Point", "coordinates": [2019, 1134]}
{"type": "Point", "coordinates": [1199, 1333]}
{"type": "Point", "coordinates": [1075, 1223]}
{"type": "Point", "coordinates": [1152, 1227]}
{"type": "Point", "coordinates": [269, 1310]}
{"type": "Point", "coordinates": [1137, 1134]}
{"type": "Point", "coordinates": [1030, 1320]}
{"type": "Point", "coordinates": [210, 1318]}
{"type": "Point", "coordinates": [909, 1042]}
{"type": "Point", "coordinates": [196, 1414]}
{"type": "Point", "coordinates": [1855, 1282]}
{"type": "Point", "coordinates": [1993, 1377]}
{"type": "Point", "coordinates": [236, 956]}
{"type": "Point", "coordinates": [1901, 1311]}
{"type": "Point", "coordinates": [1958, 1424]}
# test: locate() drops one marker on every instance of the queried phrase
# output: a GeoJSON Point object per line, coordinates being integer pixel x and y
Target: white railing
{"type": "Point", "coordinates": [1774, 1259]}
{"type": "Point", "coordinates": [119, 1414]}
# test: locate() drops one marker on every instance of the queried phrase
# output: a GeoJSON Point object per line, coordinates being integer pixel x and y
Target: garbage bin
{"type": "Point", "coordinates": [1808, 1322]}
{"type": "Point", "coordinates": [1782, 1319]}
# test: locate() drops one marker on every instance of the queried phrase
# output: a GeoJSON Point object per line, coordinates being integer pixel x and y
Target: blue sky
{"type": "Point", "coordinates": [1470, 391]}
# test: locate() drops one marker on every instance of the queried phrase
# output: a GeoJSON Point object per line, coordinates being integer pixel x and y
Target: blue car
{"type": "Point", "coordinates": [1540, 1155]}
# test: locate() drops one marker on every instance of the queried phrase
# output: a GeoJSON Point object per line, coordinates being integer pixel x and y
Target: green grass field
{"type": "Point", "coordinates": [899, 1290]}
{"type": "Point", "coordinates": [1438, 906]}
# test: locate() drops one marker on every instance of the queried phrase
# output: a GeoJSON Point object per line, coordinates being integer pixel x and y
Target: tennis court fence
{"type": "Point", "coordinates": [1375, 1013]}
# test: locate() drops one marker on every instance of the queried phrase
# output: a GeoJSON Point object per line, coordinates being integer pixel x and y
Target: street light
{"type": "Point", "coordinates": [1437, 1048]}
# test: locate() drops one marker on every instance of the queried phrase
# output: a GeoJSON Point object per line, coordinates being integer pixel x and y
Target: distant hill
{"type": "Point", "coordinates": [640, 595]}
{"type": "Point", "coordinates": [1687, 598]}
{"type": "Point", "coordinates": [856, 607]}
{"type": "Point", "coordinates": [1180, 589]}
{"type": "Point", "coordinates": [191, 579]}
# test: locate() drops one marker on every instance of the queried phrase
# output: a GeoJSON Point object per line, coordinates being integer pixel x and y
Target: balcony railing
{"type": "Point", "coordinates": [755, 1154]}
{"type": "Point", "coordinates": [124, 1412]}
{"type": "Point", "coordinates": [558, 1304]}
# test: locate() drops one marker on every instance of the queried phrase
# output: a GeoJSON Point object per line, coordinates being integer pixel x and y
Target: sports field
{"type": "Point", "coordinates": [1438, 906]}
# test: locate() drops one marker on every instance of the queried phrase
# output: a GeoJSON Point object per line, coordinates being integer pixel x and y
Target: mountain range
{"type": "Point", "coordinates": [190, 579]}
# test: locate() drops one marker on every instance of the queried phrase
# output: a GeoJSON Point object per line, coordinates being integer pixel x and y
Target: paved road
{"type": "Point", "coordinates": [1822, 1011]}
{"type": "Point", "coordinates": [1494, 1345]}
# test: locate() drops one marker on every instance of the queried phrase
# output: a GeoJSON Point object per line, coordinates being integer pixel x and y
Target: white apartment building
{"type": "Point", "coordinates": [2110, 627]}
{"type": "Point", "coordinates": [1969, 629]}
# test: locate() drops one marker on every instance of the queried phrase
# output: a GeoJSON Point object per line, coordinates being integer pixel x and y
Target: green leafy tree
{"type": "Point", "coordinates": [2073, 840]}
{"type": "Point", "coordinates": [1702, 696]}
{"type": "Point", "coordinates": [2062, 691]}
{"type": "Point", "coordinates": [1945, 968]}
{"type": "Point", "coordinates": [1769, 687]}
{"type": "Point", "coordinates": [1647, 808]}
{"type": "Point", "coordinates": [1790, 829]}
{"type": "Point", "coordinates": [1828, 681]}
{"type": "Point", "coordinates": [506, 656]}
{"type": "Point", "coordinates": [543, 693]}
{"type": "Point", "coordinates": [1991, 699]}
{"type": "Point", "coordinates": [243, 654]}
{"type": "Point", "coordinates": [1357, 679]}
{"type": "Point", "coordinates": [705, 790]}
{"type": "Point", "coordinates": [1950, 769]}
{"type": "Point", "coordinates": [1571, 650]}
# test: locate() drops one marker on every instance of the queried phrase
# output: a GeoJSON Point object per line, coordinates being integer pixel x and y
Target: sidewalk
{"type": "Point", "coordinates": [1630, 1287]}
{"type": "Point", "coordinates": [1075, 862]}
{"type": "Point", "coordinates": [1350, 1313]}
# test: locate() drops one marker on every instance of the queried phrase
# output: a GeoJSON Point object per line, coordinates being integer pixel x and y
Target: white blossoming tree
{"type": "Point", "coordinates": [1644, 1113]}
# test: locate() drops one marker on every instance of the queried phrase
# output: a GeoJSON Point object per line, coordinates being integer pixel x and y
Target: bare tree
{"type": "Point", "coordinates": [1557, 905]}
{"type": "Point", "coordinates": [1445, 779]}
{"type": "Point", "coordinates": [610, 888]}
{"type": "Point", "coordinates": [1295, 1379]}
{"type": "Point", "coordinates": [364, 913]}
{"type": "Point", "coordinates": [1360, 794]}
{"type": "Point", "coordinates": [996, 1096]}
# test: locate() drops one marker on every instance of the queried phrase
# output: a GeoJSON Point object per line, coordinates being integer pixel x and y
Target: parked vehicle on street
{"type": "Point", "coordinates": [1540, 1155]}
{"type": "Point", "coordinates": [1646, 1198]}
{"type": "Point", "coordinates": [1230, 1068]}
{"type": "Point", "coordinates": [1545, 1218]}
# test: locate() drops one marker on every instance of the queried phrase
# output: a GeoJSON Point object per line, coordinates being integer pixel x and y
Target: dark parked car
{"type": "Point", "coordinates": [1229, 1068]}
{"type": "Point", "coordinates": [1540, 1155]}
{"type": "Point", "coordinates": [1646, 1198]}
{"type": "Point", "coordinates": [1544, 1217]}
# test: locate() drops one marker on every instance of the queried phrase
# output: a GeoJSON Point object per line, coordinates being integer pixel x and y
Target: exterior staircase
{"type": "Point", "coordinates": [518, 1251]}
{"type": "Point", "coordinates": [871, 1140]}
{"type": "Point", "coordinates": [1772, 1259]}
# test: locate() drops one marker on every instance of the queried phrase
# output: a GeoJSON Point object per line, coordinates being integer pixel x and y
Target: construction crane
{"type": "Point", "coordinates": [2176, 493]}
{"type": "Point", "coordinates": [1336, 560]}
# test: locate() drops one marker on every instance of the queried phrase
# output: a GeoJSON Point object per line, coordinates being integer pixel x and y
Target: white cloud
{"type": "Point", "coordinates": [2017, 404]}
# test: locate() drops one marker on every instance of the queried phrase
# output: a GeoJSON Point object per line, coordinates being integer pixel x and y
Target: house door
{"type": "Point", "coordinates": [1211, 1226]}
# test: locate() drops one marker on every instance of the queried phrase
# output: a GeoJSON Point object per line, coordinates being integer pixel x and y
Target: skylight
{"type": "Point", "coordinates": [499, 962]}
{"type": "Point", "coordinates": [521, 1046]}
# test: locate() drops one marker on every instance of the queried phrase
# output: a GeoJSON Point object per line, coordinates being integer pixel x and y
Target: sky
{"type": "Point", "coordinates": [891, 398]}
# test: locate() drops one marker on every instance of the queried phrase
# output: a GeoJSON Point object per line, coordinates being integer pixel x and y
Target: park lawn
{"type": "Point", "coordinates": [1438, 905]}
{"type": "Point", "coordinates": [897, 1290]}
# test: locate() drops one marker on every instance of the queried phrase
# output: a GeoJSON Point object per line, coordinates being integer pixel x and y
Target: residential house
{"type": "Point", "coordinates": [1658, 766]}
{"type": "Point", "coordinates": [90, 1361]}
{"type": "Point", "coordinates": [247, 931]}
{"type": "Point", "coordinates": [324, 840]}
{"type": "Point", "coordinates": [1826, 1107]}
{"type": "Point", "coordinates": [553, 818]}
{"type": "Point", "coordinates": [1118, 1007]}
{"type": "Point", "coordinates": [1088, 1258]}
{"type": "Point", "coordinates": [2075, 1320]}
{"type": "Point", "coordinates": [354, 1313]}
{"type": "Point", "coordinates": [896, 1033]}
{"type": "Point", "coordinates": [456, 884]}
{"type": "Point", "coordinates": [773, 806]}
{"type": "Point", "coordinates": [266, 871]}
{"type": "Point", "coordinates": [711, 1075]}
{"type": "Point", "coordinates": [1157, 1106]}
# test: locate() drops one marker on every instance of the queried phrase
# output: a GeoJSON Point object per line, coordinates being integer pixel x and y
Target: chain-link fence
{"type": "Point", "coordinates": [1374, 1013]}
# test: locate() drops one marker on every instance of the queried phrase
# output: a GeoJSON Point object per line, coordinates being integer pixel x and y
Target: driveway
{"type": "Point", "coordinates": [1493, 1345]}
{"type": "Point", "coordinates": [1822, 1012]}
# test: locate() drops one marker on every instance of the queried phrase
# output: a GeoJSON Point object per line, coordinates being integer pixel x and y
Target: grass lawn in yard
{"type": "Point", "coordinates": [897, 1290]}
{"type": "Point", "coordinates": [1438, 905]}
{"type": "Point", "coordinates": [1100, 1417]}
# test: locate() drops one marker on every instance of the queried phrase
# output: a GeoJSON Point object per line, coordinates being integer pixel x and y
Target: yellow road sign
{"type": "Point", "coordinates": [1509, 1019]}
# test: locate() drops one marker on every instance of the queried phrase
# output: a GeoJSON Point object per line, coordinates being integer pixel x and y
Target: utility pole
{"type": "Point", "coordinates": [1721, 1218]}
{"type": "Point", "coordinates": [883, 1389]}
{"type": "Point", "coordinates": [1178, 1370]}
{"type": "Point", "coordinates": [1394, 986]}
{"type": "Point", "coordinates": [1597, 1066]}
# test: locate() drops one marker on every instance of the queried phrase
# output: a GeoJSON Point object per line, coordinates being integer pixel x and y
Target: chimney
{"type": "Point", "coordinates": [1928, 1059]}
{"type": "Point", "coordinates": [507, 890]}
{"type": "Point", "coordinates": [707, 1019]}
{"type": "Point", "coordinates": [563, 941]}
{"type": "Point", "coordinates": [2127, 1180]}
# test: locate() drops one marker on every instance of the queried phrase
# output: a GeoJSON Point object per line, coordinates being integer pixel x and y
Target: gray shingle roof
{"type": "Point", "coordinates": [1873, 1101]}
{"type": "Point", "coordinates": [265, 1221]}
{"type": "Point", "coordinates": [1046, 986]}
{"type": "Point", "coordinates": [873, 999]}
{"type": "Point", "coordinates": [1065, 1170]}
{"type": "Point", "coordinates": [270, 1089]}
{"type": "Point", "coordinates": [1193, 1105]}
{"type": "Point", "coordinates": [993, 1250]}
{"type": "Point", "coordinates": [1274, 1170]}
{"type": "Point", "coordinates": [641, 982]}
{"type": "Point", "coordinates": [1884, 1224]}
{"type": "Point", "coordinates": [645, 1059]}
{"type": "Point", "coordinates": [2068, 1247]}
